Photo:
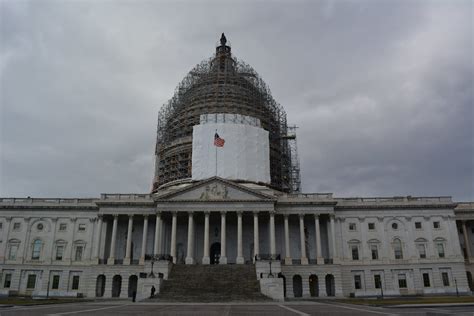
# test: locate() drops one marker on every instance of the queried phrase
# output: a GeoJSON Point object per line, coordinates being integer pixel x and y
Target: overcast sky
{"type": "Point", "coordinates": [382, 91]}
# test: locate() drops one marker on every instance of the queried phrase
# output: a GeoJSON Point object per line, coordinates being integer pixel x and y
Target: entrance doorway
{"type": "Point", "coordinates": [330, 286]}
{"type": "Point", "coordinates": [297, 286]}
{"type": "Point", "coordinates": [116, 285]}
{"type": "Point", "coordinates": [313, 285]}
{"type": "Point", "coordinates": [132, 285]}
{"type": "Point", "coordinates": [215, 253]}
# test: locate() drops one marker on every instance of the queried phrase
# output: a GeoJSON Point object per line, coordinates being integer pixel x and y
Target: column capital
{"type": "Point", "coordinates": [73, 219]}
{"type": "Point", "coordinates": [316, 216]}
{"type": "Point", "coordinates": [190, 213]}
{"type": "Point", "coordinates": [286, 216]}
{"type": "Point", "coordinates": [223, 213]}
{"type": "Point", "coordinates": [239, 213]}
{"type": "Point", "coordinates": [100, 216]}
{"type": "Point", "coordinates": [130, 216]}
{"type": "Point", "coordinates": [272, 213]}
{"type": "Point", "coordinates": [174, 213]}
{"type": "Point", "coordinates": [158, 213]}
{"type": "Point", "coordinates": [115, 216]}
{"type": "Point", "coordinates": [54, 219]}
{"type": "Point", "coordinates": [206, 213]}
{"type": "Point", "coordinates": [145, 216]}
{"type": "Point", "coordinates": [92, 219]}
{"type": "Point", "coordinates": [332, 216]}
{"type": "Point", "coordinates": [8, 218]}
{"type": "Point", "coordinates": [301, 215]}
{"type": "Point", "coordinates": [255, 213]}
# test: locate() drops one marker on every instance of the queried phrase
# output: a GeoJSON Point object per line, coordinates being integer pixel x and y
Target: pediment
{"type": "Point", "coordinates": [215, 189]}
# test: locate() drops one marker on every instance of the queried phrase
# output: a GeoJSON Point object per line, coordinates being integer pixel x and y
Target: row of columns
{"type": "Point", "coordinates": [467, 242]}
{"type": "Point", "coordinates": [223, 258]}
{"type": "Point", "coordinates": [304, 257]}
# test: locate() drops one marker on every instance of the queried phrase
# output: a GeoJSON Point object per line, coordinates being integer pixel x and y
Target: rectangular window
{"type": "Point", "coordinates": [352, 226]}
{"type": "Point", "coordinates": [436, 225]}
{"type": "Point", "coordinates": [31, 282]}
{"type": "Point", "coordinates": [55, 284]}
{"type": "Point", "coordinates": [421, 250]}
{"type": "Point", "coordinates": [440, 248]}
{"type": "Point", "coordinates": [426, 280]}
{"type": "Point", "coordinates": [59, 252]}
{"type": "Point", "coordinates": [371, 226]}
{"type": "Point", "coordinates": [1, 226]}
{"type": "Point", "coordinates": [79, 250]}
{"type": "Point", "coordinates": [8, 281]}
{"type": "Point", "coordinates": [375, 252]}
{"type": "Point", "coordinates": [357, 282]}
{"type": "Point", "coordinates": [16, 226]}
{"type": "Point", "coordinates": [377, 281]}
{"type": "Point", "coordinates": [62, 226]}
{"type": "Point", "coordinates": [418, 225]}
{"type": "Point", "coordinates": [75, 282]}
{"type": "Point", "coordinates": [402, 281]}
{"type": "Point", "coordinates": [355, 252]}
{"type": "Point", "coordinates": [445, 277]}
{"type": "Point", "coordinates": [82, 227]}
{"type": "Point", "coordinates": [12, 253]}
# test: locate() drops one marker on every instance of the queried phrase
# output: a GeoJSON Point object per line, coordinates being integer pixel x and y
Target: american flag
{"type": "Point", "coordinates": [218, 142]}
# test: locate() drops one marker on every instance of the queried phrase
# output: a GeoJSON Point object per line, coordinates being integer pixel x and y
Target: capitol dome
{"type": "Point", "coordinates": [225, 85]}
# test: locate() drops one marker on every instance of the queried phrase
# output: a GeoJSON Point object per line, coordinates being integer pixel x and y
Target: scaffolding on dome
{"type": "Point", "coordinates": [221, 84]}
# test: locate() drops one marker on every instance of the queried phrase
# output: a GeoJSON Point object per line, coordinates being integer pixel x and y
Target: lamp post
{"type": "Point", "coordinates": [270, 275]}
{"type": "Point", "coordinates": [152, 275]}
{"type": "Point", "coordinates": [456, 283]}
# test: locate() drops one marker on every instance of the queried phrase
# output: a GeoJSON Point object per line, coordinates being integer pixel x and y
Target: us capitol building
{"type": "Point", "coordinates": [226, 200]}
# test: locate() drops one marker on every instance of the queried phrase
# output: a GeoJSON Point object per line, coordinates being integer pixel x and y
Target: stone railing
{"type": "Point", "coordinates": [398, 199]}
{"type": "Point", "coordinates": [67, 201]}
{"type": "Point", "coordinates": [317, 196]}
{"type": "Point", "coordinates": [119, 196]}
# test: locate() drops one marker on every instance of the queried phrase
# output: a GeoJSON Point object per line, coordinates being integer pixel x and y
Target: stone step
{"type": "Point", "coordinates": [211, 283]}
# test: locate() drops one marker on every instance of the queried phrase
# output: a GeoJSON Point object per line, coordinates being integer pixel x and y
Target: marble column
{"type": "Point", "coordinates": [190, 251]}
{"type": "Point", "coordinates": [98, 239]}
{"type": "Point", "coordinates": [319, 256]}
{"type": "Point", "coordinates": [205, 258]}
{"type": "Point", "coordinates": [174, 223]}
{"type": "Point", "coordinates": [335, 258]}
{"type": "Point", "coordinates": [272, 234]}
{"type": "Point", "coordinates": [111, 259]}
{"type": "Point", "coordinates": [240, 257]}
{"type": "Point", "coordinates": [304, 258]}
{"type": "Point", "coordinates": [288, 260]}
{"type": "Point", "coordinates": [256, 241]}
{"type": "Point", "coordinates": [128, 249]}
{"type": "Point", "coordinates": [157, 245]}
{"type": "Point", "coordinates": [223, 258]}
{"type": "Point", "coordinates": [144, 238]}
{"type": "Point", "coordinates": [467, 242]}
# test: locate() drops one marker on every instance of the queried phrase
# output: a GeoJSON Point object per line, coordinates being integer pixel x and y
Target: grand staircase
{"type": "Point", "coordinates": [211, 283]}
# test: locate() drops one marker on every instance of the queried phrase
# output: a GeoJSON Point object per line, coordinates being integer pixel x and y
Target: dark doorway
{"type": "Point", "coordinates": [116, 285]}
{"type": "Point", "coordinates": [100, 286]}
{"type": "Point", "coordinates": [297, 286]}
{"type": "Point", "coordinates": [330, 286]}
{"type": "Point", "coordinates": [313, 285]}
{"type": "Point", "coordinates": [215, 252]}
{"type": "Point", "coordinates": [132, 285]}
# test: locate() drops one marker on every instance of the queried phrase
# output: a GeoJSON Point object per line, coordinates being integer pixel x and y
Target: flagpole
{"type": "Point", "coordinates": [216, 155]}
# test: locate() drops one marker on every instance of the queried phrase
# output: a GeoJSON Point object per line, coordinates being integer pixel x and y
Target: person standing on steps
{"type": "Point", "coordinates": [152, 291]}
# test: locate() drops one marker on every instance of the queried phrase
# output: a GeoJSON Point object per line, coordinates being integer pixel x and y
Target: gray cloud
{"type": "Point", "coordinates": [382, 91]}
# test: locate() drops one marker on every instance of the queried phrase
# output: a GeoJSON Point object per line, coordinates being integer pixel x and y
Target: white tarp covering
{"type": "Point", "coordinates": [245, 155]}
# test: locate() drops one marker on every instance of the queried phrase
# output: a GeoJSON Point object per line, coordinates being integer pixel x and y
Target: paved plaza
{"type": "Point", "coordinates": [273, 309]}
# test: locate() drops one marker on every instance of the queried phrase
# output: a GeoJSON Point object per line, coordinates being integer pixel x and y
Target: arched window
{"type": "Point", "coordinates": [36, 251]}
{"type": "Point", "coordinates": [397, 248]}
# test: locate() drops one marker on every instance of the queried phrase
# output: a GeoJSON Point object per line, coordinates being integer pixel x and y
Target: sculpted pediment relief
{"type": "Point", "coordinates": [215, 191]}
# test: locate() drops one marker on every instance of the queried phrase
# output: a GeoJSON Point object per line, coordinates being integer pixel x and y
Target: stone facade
{"type": "Point", "coordinates": [318, 244]}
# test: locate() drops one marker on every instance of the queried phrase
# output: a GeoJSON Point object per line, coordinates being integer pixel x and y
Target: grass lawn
{"type": "Point", "coordinates": [31, 301]}
{"type": "Point", "coordinates": [409, 300]}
